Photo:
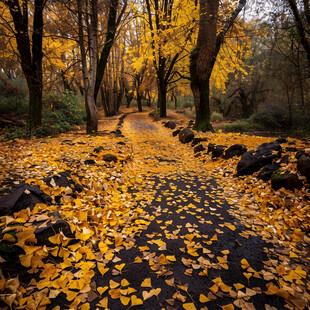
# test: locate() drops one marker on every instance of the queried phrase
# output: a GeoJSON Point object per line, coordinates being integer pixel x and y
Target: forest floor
{"type": "Point", "coordinates": [158, 229]}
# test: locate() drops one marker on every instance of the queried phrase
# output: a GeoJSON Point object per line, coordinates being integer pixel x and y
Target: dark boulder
{"type": "Point", "coordinates": [235, 150]}
{"type": "Point", "coordinates": [186, 135]}
{"type": "Point", "coordinates": [109, 158]}
{"type": "Point", "coordinates": [291, 149]}
{"type": "Point", "coordinates": [190, 123]}
{"type": "Point", "coordinates": [285, 159]}
{"type": "Point", "coordinates": [23, 196]}
{"type": "Point", "coordinates": [266, 173]}
{"type": "Point", "coordinates": [63, 179]}
{"type": "Point", "coordinates": [199, 148]}
{"type": "Point", "coordinates": [98, 149]}
{"type": "Point", "coordinates": [198, 140]}
{"type": "Point", "coordinates": [176, 132]}
{"type": "Point", "coordinates": [89, 162]}
{"type": "Point", "coordinates": [287, 180]}
{"type": "Point", "coordinates": [171, 125]}
{"type": "Point", "coordinates": [303, 166]}
{"type": "Point", "coordinates": [218, 151]}
{"type": "Point", "coordinates": [281, 140]}
{"type": "Point", "coordinates": [211, 147]}
{"type": "Point", "coordinates": [302, 152]}
{"type": "Point", "coordinates": [121, 143]}
{"type": "Point", "coordinates": [49, 229]}
{"type": "Point", "coordinates": [254, 160]}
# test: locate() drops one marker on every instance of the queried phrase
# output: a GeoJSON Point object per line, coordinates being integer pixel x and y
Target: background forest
{"type": "Point", "coordinates": [63, 62]}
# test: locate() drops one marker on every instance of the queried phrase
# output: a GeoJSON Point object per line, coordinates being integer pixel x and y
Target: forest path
{"type": "Point", "coordinates": [193, 251]}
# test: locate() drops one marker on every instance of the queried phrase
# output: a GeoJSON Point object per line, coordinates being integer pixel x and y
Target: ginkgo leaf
{"type": "Point", "coordinates": [124, 282]}
{"type": "Point", "coordinates": [101, 268]}
{"type": "Point", "coordinates": [101, 290]}
{"type": "Point", "coordinates": [146, 283]}
{"type": "Point", "coordinates": [228, 307]}
{"type": "Point", "coordinates": [125, 300]}
{"type": "Point", "coordinates": [136, 301]}
{"type": "Point", "coordinates": [203, 298]}
{"type": "Point", "coordinates": [113, 284]}
{"type": "Point", "coordinates": [245, 264]}
{"type": "Point", "coordinates": [189, 306]}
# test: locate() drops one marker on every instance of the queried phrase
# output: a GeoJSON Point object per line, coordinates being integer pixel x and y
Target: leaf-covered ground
{"type": "Point", "coordinates": [158, 229]}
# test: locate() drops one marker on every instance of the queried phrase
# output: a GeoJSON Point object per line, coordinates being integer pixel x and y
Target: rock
{"type": "Point", "coordinates": [186, 135]}
{"type": "Point", "coordinates": [109, 158]}
{"type": "Point", "coordinates": [285, 159]}
{"type": "Point", "coordinates": [121, 143]}
{"type": "Point", "coordinates": [199, 148]}
{"type": "Point", "coordinates": [63, 179]}
{"type": "Point", "coordinates": [23, 196]}
{"type": "Point", "coordinates": [98, 149]}
{"type": "Point", "coordinates": [281, 140]}
{"type": "Point", "coordinates": [299, 154]}
{"type": "Point", "coordinates": [190, 123]}
{"type": "Point", "coordinates": [49, 229]}
{"type": "Point", "coordinates": [235, 150]}
{"type": "Point", "coordinates": [292, 143]}
{"type": "Point", "coordinates": [287, 180]}
{"type": "Point", "coordinates": [218, 151]}
{"type": "Point", "coordinates": [89, 162]}
{"type": "Point", "coordinates": [171, 125]}
{"type": "Point", "coordinates": [267, 172]}
{"type": "Point", "coordinates": [303, 166]}
{"type": "Point", "coordinates": [291, 149]}
{"type": "Point", "coordinates": [176, 132]}
{"type": "Point", "coordinates": [211, 146]}
{"type": "Point", "coordinates": [254, 160]}
{"type": "Point", "coordinates": [198, 140]}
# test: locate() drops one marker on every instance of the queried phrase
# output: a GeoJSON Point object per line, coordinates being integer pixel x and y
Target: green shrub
{"type": "Point", "coordinates": [64, 109]}
{"type": "Point", "coordinates": [272, 119]}
{"type": "Point", "coordinates": [13, 105]}
{"type": "Point", "coordinates": [242, 126]}
{"type": "Point", "coordinates": [216, 117]}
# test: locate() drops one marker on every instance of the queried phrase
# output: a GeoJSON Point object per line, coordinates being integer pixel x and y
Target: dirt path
{"type": "Point", "coordinates": [192, 245]}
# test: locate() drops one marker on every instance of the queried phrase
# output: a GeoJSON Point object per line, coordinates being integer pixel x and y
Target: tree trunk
{"type": "Point", "coordinates": [91, 114]}
{"type": "Point", "coordinates": [139, 101]}
{"type": "Point", "coordinates": [162, 98]}
{"type": "Point", "coordinates": [201, 93]}
{"type": "Point", "coordinates": [203, 57]}
{"type": "Point", "coordinates": [35, 104]}
{"type": "Point", "coordinates": [31, 55]}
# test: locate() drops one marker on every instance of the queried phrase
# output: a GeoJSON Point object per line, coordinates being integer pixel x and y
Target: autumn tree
{"type": "Point", "coordinates": [171, 25]}
{"type": "Point", "coordinates": [301, 13]}
{"type": "Point", "coordinates": [30, 50]}
{"type": "Point", "coordinates": [203, 57]}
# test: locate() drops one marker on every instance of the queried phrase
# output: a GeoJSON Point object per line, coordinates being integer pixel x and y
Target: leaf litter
{"type": "Point", "coordinates": [188, 222]}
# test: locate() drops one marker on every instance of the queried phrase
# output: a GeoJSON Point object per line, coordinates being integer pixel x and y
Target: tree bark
{"type": "Point", "coordinates": [31, 56]}
{"type": "Point", "coordinates": [203, 57]}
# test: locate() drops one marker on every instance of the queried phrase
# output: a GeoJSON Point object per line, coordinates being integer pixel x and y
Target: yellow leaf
{"type": "Point", "coordinates": [101, 268]}
{"type": "Point", "coordinates": [101, 289]}
{"type": "Point", "coordinates": [113, 284]}
{"type": "Point", "coordinates": [8, 237]}
{"type": "Point", "coordinates": [163, 260]}
{"type": "Point", "coordinates": [156, 291]}
{"type": "Point", "coordinates": [146, 283]}
{"type": "Point", "coordinates": [171, 258]}
{"type": "Point", "coordinates": [189, 306]}
{"type": "Point", "coordinates": [245, 264]}
{"type": "Point", "coordinates": [231, 227]}
{"type": "Point", "coordinates": [103, 303]}
{"type": "Point", "coordinates": [103, 247]}
{"type": "Point", "coordinates": [124, 282]}
{"type": "Point", "coordinates": [247, 275]}
{"type": "Point", "coordinates": [238, 286]}
{"type": "Point", "coordinates": [228, 307]}
{"type": "Point", "coordinates": [203, 298]}
{"type": "Point", "coordinates": [119, 267]}
{"type": "Point", "coordinates": [136, 301]}
{"type": "Point", "coordinates": [214, 238]}
{"type": "Point", "coordinates": [125, 300]}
